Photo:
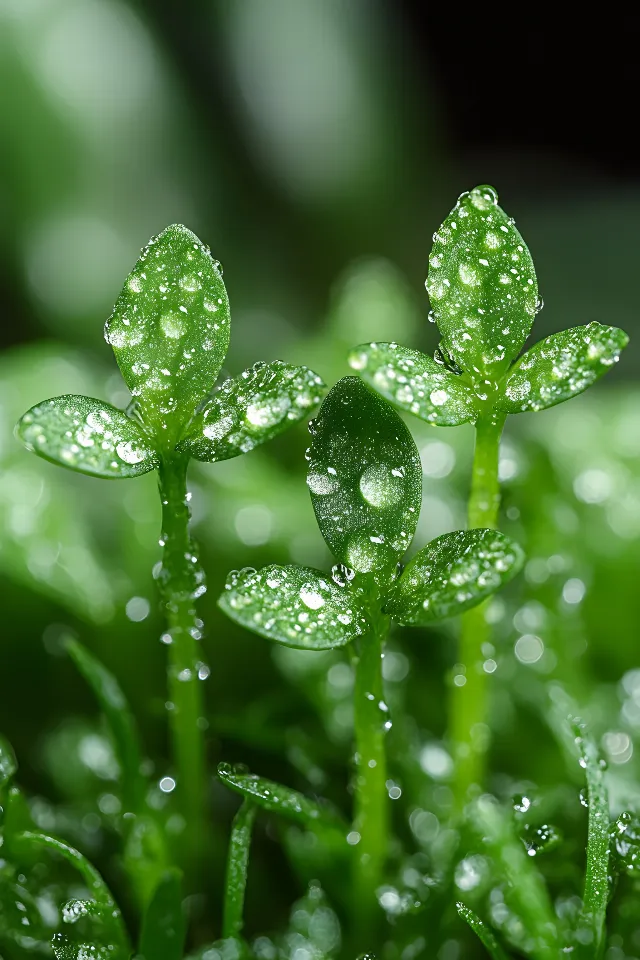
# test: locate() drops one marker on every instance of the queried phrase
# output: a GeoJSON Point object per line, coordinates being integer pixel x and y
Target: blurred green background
{"type": "Point", "coordinates": [315, 145]}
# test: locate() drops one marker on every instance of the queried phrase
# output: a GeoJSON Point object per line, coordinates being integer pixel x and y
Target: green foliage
{"type": "Point", "coordinates": [170, 330]}
{"type": "Point", "coordinates": [250, 409]}
{"type": "Point", "coordinates": [120, 719]}
{"type": "Point", "coordinates": [163, 925]}
{"type": "Point", "coordinates": [237, 866]}
{"type": "Point", "coordinates": [295, 606]}
{"type": "Point", "coordinates": [482, 931]}
{"type": "Point", "coordinates": [451, 574]}
{"type": "Point", "coordinates": [364, 477]}
{"type": "Point", "coordinates": [482, 285]}
{"type": "Point", "coordinates": [484, 294]}
{"type": "Point", "coordinates": [275, 798]}
{"type": "Point", "coordinates": [561, 367]}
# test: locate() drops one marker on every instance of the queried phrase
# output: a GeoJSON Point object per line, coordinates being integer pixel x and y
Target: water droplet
{"type": "Point", "coordinates": [381, 486]}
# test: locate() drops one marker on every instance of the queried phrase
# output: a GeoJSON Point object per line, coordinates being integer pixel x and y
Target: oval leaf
{"type": "Point", "coordinates": [163, 925]}
{"type": "Point", "coordinates": [415, 382]}
{"type": "Point", "coordinates": [482, 285]}
{"type": "Point", "coordinates": [295, 606]}
{"type": "Point", "coordinates": [278, 799]}
{"type": "Point", "coordinates": [252, 408]}
{"type": "Point", "coordinates": [170, 328]}
{"type": "Point", "coordinates": [88, 436]}
{"type": "Point", "coordinates": [451, 574]}
{"type": "Point", "coordinates": [365, 478]}
{"type": "Point", "coordinates": [561, 367]}
{"type": "Point", "coordinates": [120, 719]}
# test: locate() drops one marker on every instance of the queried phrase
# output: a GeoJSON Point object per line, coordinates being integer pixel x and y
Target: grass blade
{"type": "Point", "coordinates": [237, 864]}
{"type": "Point", "coordinates": [482, 931]}
{"type": "Point", "coordinates": [596, 886]}
{"type": "Point", "coordinates": [120, 719]}
{"type": "Point", "coordinates": [163, 925]}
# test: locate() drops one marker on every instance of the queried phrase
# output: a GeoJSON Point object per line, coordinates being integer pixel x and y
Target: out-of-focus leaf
{"type": "Point", "coordinates": [45, 541]}
{"type": "Point", "coordinates": [120, 719]}
{"type": "Point", "coordinates": [415, 382]}
{"type": "Point", "coordinates": [484, 933]}
{"type": "Point", "coordinates": [237, 865]}
{"type": "Point", "coordinates": [163, 924]}
{"type": "Point", "coordinates": [295, 606]}
{"type": "Point", "coordinates": [110, 915]}
{"type": "Point", "coordinates": [252, 408]}
{"type": "Point", "coordinates": [451, 574]}
{"type": "Point", "coordinates": [279, 799]}
{"type": "Point", "coordinates": [170, 329]}
{"type": "Point", "coordinates": [365, 478]}
{"type": "Point", "coordinates": [87, 435]}
{"type": "Point", "coordinates": [146, 857]}
{"type": "Point", "coordinates": [482, 285]}
{"type": "Point", "coordinates": [526, 891]}
{"type": "Point", "coordinates": [561, 367]}
{"type": "Point", "coordinates": [597, 887]}
{"type": "Point", "coordinates": [8, 762]}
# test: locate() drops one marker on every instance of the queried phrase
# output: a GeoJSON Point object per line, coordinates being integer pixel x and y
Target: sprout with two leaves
{"type": "Point", "coordinates": [365, 481]}
{"type": "Point", "coordinates": [484, 294]}
{"type": "Point", "coordinates": [169, 331]}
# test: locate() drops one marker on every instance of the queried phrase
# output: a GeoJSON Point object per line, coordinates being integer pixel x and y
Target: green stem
{"type": "Point", "coordinates": [181, 582]}
{"type": "Point", "coordinates": [372, 799]}
{"type": "Point", "coordinates": [237, 863]}
{"type": "Point", "coordinates": [468, 731]}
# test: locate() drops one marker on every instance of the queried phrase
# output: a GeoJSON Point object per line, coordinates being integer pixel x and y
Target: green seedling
{"type": "Point", "coordinates": [365, 481]}
{"type": "Point", "coordinates": [170, 333]}
{"type": "Point", "coordinates": [484, 295]}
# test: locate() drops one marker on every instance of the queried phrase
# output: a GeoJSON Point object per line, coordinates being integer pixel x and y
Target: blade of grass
{"type": "Point", "coordinates": [120, 719]}
{"type": "Point", "coordinates": [482, 931]}
{"type": "Point", "coordinates": [163, 926]}
{"type": "Point", "coordinates": [596, 885]}
{"type": "Point", "coordinates": [237, 864]}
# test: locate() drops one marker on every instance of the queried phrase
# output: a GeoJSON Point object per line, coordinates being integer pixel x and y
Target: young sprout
{"type": "Point", "coordinates": [365, 481]}
{"type": "Point", "coordinates": [484, 294]}
{"type": "Point", "coordinates": [170, 333]}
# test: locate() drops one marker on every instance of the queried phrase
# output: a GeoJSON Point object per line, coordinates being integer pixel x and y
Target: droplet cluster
{"type": "Point", "coordinates": [252, 408]}
{"type": "Point", "coordinates": [295, 606]}
{"type": "Point", "coordinates": [482, 285]}
{"type": "Point", "coordinates": [414, 382]}
{"type": "Point", "coordinates": [451, 574]}
{"type": "Point", "coordinates": [170, 327]}
{"type": "Point", "coordinates": [562, 366]}
{"type": "Point", "coordinates": [364, 477]}
{"type": "Point", "coordinates": [87, 435]}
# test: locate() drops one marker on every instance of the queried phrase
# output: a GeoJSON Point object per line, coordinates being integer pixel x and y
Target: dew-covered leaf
{"type": "Point", "coordinates": [254, 407]}
{"type": "Point", "coordinates": [65, 949]}
{"type": "Point", "coordinates": [237, 866]}
{"type": "Point", "coordinates": [482, 285]}
{"type": "Point", "coordinates": [415, 382]}
{"type": "Point", "coordinates": [164, 925]}
{"type": "Point", "coordinates": [120, 719]}
{"type": "Point", "coordinates": [451, 574]}
{"type": "Point", "coordinates": [110, 916]}
{"type": "Point", "coordinates": [597, 888]}
{"type": "Point", "coordinates": [561, 367]}
{"type": "Point", "coordinates": [276, 798]}
{"type": "Point", "coordinates": [8, 762]}
{"type": "Point", "coordinates": [88, 436]}
{"type": "Point", "coordinates": [295, 606]}
{"type": "Point", "coordinates": [484, 933]}
{"type": "Point", "coordinates": [365, 478]}
{"type": "Point", "coordinates": [170, 328]}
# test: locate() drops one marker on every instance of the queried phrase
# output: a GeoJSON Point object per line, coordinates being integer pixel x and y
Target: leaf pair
{"type": "Point", "coordinates": [365, 481]}
{"type": "Point", "coordinates": [484, 293]}
{"type": "Point", "coordinates": [170, 333]}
